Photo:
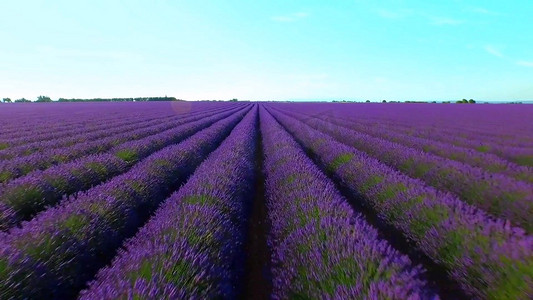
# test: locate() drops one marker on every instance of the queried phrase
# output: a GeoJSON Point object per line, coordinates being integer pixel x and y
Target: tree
{"type": "Point", "coordinates": [43, 99]}
{"type": "Point", "coordinates": [367, 101]}
{"type": "Point", "coordinates": [471, 101]}
{"type": "Point", "coordinates": [22, 100]}
{"type": "Point", "coordinates": [234, 100]}
{"type": "Point", "coordinates": [384, 101]}
{"type": "Point", "coordinates": [6, 100]}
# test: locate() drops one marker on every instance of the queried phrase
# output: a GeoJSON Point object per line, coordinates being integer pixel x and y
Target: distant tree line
{"type": "Point", "coordinates": [137, 99]}
{"type": "Point", "coordinates": [8, 100]}
{"type": "Point", "coordinates": [43, 99]}
{"type": "Point", "coordinates": [464, 101]}
{"type": "Point", "coordinates": [48, 99]}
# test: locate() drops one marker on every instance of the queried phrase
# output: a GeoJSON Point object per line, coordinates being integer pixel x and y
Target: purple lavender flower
{"type": "Point", "coordinates": [487, 257]}
{"type": "Point", "coordinates": [321, 248]}
{"type": "Point", "coordinates": [20, 166]}
{"type": "Point", "coordinates": [191, 247]}
{"type": "Point", "coordinates": [55, 253]}
{"type": "Point", "coordinates": [495, 193]}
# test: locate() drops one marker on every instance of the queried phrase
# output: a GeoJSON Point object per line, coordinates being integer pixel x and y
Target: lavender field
{"type": "Point", "coordinates": [246, 200]}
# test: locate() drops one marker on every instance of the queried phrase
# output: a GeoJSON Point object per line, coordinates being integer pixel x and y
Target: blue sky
{"type": "Point", "coordinates": [268, 50]}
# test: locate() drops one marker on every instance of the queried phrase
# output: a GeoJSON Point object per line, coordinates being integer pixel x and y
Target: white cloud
{"type": "Point", "coordinates": [496, 52]}
{"type": "Point", "coordinates": [290, 17]}
{"type": "Point", "coordinates": [480, 10]}
{"type": "Point", "coordinates": [525, 63]}
{"type": "Point", "coordinates": [444, 21]}
{"type": "Point", "coordinates": [305, 77]}
{"type": "Point", "coordinates": [404, 13]}
{"type": "Point", "coordinates": [397, 14]}
{"type": "Point", "coordinates": [87, 54]}
{"type": "Point", "coordinates": [493, 51]}
{"type": "Point", "coordinates": [483, 11]}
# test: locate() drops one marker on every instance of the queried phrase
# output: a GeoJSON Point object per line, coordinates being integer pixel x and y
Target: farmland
{"type": "Point", "coordinates": [172, 200]}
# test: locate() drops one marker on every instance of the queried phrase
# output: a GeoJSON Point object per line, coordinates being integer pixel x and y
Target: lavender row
{"type": "Point", "coordinates": [39, 161]}
{"type": "Point", "coordinates": [501, 124]}
{"type": "Point", "coordinates": [487, 257]}
{"type": "Point", "coordinates": [23, 197]}
{"type": "Point", "coordinates": [53, 255]}
{"type": "Point", "coordinates": [107, 123]}
{"type": "Point", "coordinates": [518, 137]}
{"type": "Point", "coordinates": [488, 162]}
{"type": "Point", "coordinates": [18, 121]}
{"type": "Point", "coordinates": [495, 193]}
{"type": "Point", "coordinates": [53, 117]}
{"type": "Point", "coordinates": [45, 159]}
{"type": "Point", "coordinates": [452, 132]}
{"type": "Point", "coordinates": [519, 152]}
{"type": "Point", "coordinates": [193, 246]}
{"type": "Point", "coordinates": [133, 151]}
{"type": "Point", "coordinates": [88, 136]}
{"type": "Point", "coordinates": [27, 195]}
{"type": "Point", "coordinates": [69, 140]}
{"type": "Point", "coordinates": [321, 249]}
{"type": "Point", "coordinates": [54, 123]}
{"type": "Point", "coordinates": [31, 144]}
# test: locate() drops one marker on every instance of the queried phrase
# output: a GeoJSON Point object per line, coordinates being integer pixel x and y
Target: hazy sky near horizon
{"type": "Point", "coordinates": [268, 50]}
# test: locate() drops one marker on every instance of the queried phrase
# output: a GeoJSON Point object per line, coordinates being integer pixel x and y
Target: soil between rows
{"type": "Point", "coordinates": [257, 273]}
{"type": "Point", "coordinates": [436, 276]}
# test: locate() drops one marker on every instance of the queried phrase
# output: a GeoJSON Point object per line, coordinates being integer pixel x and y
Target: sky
{"type": "Point", "coordinates": [268, 50]}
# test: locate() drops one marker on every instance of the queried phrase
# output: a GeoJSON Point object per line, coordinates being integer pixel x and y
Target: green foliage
{"type": "Point", "coordinates": [75, 224]}
{"type": "Point", "coordinates": [483, 148]}
{"type": "Point", "coordinates": [4, 270]}
{"type": "Point", "coordinates": [464, 101]}
{"type": "Point", "coordinates": [525, 160]}
{"type": "Point", "coordinates": [45, 248]}
{"type": "Point", "coordinates": [428, 217]}
{"type": "Point", "coordinates": [127, 155]}
{"type": "Point", "coordinates": [60, 158]}
{"type": "Point", "coordinates": [399, 208]}
{"type": "Point", "coordinates": [390, 191]}
{"type": "Point", "coordinates": [516, 284]}
{"type": "Point", "coordinates": [453, 246]}
{"type": "Point", "coordinates": [137, 99]}
{"type": "Point", "coordinates": [19, 198]}
{"type": "Point", "coordinates": [43, 99]}
{"type": "Point", "coordinates": [98, 168]}
{"type": "Point", "coordinates": [418, 169]}
{"type": "Point", "coordinates": [370, 182]}
{"type": "Point", "coordinates": [290, 179]}
{"type": "Point", "coordinates": [200, 199]}
{"type": "Point", "coordinates": [181, 273]}
{"type": "Point", "coordinates": [57, 182]}
{"type": "Point", "coordinates": [5, 176]}
{"type": "Point", "coordinates": [340, 160]}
